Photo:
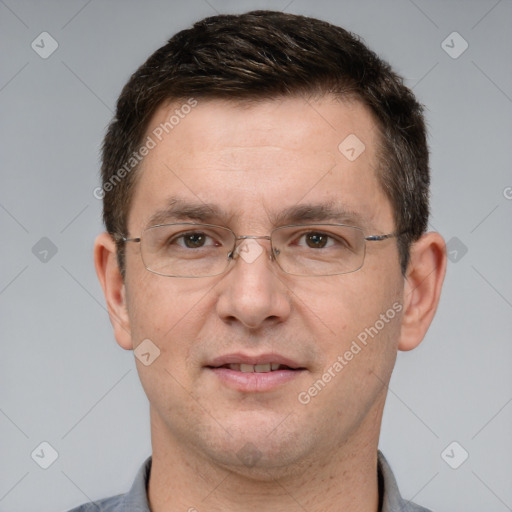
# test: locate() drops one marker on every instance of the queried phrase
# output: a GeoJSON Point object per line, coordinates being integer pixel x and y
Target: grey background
{"type": "Point", "coordinates": [64, 380]}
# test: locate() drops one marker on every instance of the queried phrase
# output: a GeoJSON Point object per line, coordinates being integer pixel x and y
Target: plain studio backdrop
{"type": "Point", "coordinates": [64, 380]}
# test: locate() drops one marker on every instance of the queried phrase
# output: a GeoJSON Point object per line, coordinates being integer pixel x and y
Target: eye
{"type": "Point", "coordinates": [316, 240]}
{"type": "Point", "coordinates": [194, 240]}
{"type": "Point", "coordinates": [313, 240]}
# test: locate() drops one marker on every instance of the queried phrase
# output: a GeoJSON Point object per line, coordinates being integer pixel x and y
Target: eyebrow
{"type": "Point", "coordinates": [177, 209]}
{"type": "Point", "coordinates": [324, 212]}
{"type": "Point", "coordinates": [180, 210]}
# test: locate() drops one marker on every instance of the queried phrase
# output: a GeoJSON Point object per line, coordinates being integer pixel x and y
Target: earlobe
{"type": "Point", "coordinates": [422, 291]}
{"type": "Point", "coordinates": [111, 280]}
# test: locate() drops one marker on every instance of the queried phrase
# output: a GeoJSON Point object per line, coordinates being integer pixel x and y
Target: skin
{"type": "Point", "coordinates": [253, 161]}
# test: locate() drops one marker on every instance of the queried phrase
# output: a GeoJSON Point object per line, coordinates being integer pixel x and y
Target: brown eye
{"type": "Point", "coordinates": [316, 240]}
{"type": "Point", "coordinates": [194, 240]}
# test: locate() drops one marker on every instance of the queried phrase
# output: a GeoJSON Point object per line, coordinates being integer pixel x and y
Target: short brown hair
{"type": "Point", "coordinates": [261, 55]}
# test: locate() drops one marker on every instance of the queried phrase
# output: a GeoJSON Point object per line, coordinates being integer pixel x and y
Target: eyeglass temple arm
{"type": "Point", "coordinates": [119, 238]}
{"type": "Point", "coordinates": [378, 238]}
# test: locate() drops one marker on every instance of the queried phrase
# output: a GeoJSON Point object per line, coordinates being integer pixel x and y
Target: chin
{"type": "Point", "coordinates": [261, 449]}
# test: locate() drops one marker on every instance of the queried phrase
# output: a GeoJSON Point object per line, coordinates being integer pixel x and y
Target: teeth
{"type": "Point", "coordinates": [254, 368]}
{"type": "Point", "coordinates": [262, 368]}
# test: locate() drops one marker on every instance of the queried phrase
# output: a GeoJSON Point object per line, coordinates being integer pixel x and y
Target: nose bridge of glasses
{"type": "Point", "coordinates": [255, 237]}
{"type": "Point", "coordinates": [243, 247]}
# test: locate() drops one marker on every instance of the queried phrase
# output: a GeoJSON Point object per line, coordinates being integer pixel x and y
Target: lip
{"type": "Point", "coordinates": [254, 382]}
{"type": "Point", "coordinates": [254, 359]}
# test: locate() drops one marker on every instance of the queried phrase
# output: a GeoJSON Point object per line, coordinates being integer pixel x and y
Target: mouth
{"type": "Point", "coordinates": [250, 374]}
{"type": "Point", "coordinates": [256, 368]}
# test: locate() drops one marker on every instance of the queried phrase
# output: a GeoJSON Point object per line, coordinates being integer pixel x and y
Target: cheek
{"type": "Point", "coordinates": [358, 359]}
{"type": "Point", "coordinates": [343, 306]}
{"type": "Point", "coordinates": [161, 308]}
{"type": "Point", "coordinates": [170, 316]}
{"type": "Point", "coordinates": [356, 327]}
{"type": "Point", "coordinates": [175, 314]}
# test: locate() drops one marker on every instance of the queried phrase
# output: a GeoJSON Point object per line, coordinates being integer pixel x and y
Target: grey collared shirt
{"type": "Point", "coordinates": [136, 500]}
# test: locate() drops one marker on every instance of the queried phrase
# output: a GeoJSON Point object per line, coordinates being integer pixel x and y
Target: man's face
{"type": "Point", "coordinates": [256, 166]}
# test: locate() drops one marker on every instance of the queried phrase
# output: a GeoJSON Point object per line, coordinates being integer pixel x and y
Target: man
{"type": "Point", "coordinates": [265, 185]}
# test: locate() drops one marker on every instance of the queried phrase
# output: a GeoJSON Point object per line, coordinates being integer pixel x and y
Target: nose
{"type": "Point", "coordinates": [252, 293]}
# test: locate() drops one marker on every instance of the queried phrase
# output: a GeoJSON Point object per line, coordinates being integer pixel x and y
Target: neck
{"type": "Point", "coordinates": [182, 479]}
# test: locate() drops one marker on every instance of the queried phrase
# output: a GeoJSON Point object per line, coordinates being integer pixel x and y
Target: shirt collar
{"type": "Point", "coordinates": [390, 497]}
{"type": "Point", "coordinates": [136, 499]}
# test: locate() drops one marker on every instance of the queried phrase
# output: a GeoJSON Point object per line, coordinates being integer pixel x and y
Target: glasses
{"type": "Point", "coordinates": [205, 250]}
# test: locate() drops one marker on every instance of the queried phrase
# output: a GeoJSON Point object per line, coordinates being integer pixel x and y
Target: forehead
{"type": "Point", "coordinates": [308, 129]}
{"type": "Point", "coordinates": [260, 156]}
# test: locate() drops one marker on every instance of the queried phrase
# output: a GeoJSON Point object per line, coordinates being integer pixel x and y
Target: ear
{"type": "Point", "coordinates": [111, 280]}
{"type": "Point", "coordinates": [423, 283]}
